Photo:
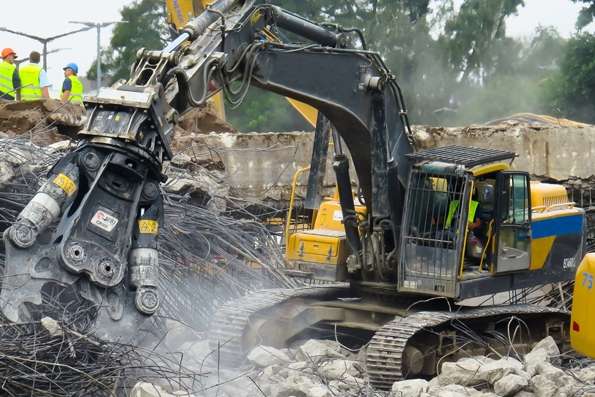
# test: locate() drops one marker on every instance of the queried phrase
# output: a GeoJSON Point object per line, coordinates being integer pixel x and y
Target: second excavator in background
{"type": "Point", "coordinates": [437, 265]}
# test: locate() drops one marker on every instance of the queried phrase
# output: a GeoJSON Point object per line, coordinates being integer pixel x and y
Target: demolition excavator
{"type": "Point", "coordinates": [436, 265]}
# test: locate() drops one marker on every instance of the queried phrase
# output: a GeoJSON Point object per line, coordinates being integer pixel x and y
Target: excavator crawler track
{"type": "Point", "coordinates": [386, 363]}
{"type": "Point", "coordinates": [233, 318]}
{"type": "Point", "coordinates": [385, 353]}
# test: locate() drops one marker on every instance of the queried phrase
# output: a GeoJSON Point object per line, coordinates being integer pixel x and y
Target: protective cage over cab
{"type": "Point", "coordinates": [472, 227]}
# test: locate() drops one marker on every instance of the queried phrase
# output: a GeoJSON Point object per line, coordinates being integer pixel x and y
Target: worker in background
{"type": "Point", "coordinates": [9, 77]}
{"type": "Point", "coordinates": [34, 80]}
{"type": "Point", "coordinates": [72, 88]}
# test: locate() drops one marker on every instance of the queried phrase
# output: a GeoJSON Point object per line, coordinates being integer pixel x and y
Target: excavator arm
{"type": "Point", "coordinates": [93, 227]}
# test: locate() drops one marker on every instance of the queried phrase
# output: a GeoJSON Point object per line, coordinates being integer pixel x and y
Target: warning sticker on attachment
{"type": "Point", "coordinates": [65, 183]}
{"type": "Point", "coordinates": [104, 221]}
{"type": "Point", "coordinates": [148, 226]}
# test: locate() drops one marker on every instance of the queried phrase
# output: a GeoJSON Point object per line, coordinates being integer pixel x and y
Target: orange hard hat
{"type": "Point", "coordinates": [8, 51]}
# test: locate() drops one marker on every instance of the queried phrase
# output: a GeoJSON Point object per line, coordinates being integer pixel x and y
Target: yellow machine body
{"type": "Point", "coordinates": [325, 243]}
{"type": "Point", "coordinates": [582, 322]}
{"type": "Point", "coordinates": [179, 12]}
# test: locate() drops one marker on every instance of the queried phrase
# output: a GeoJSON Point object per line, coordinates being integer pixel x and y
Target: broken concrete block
{"type": "Point", "coordinates": [319, 391]}
{"type": "Point", "coordinates": [496, 370]}
{"type": "Point", "coordinates": [476, 370]}
{"type": "Point", "coordinates": [299, 365]}
{"type": "Point", "coordinates": [545, 350]}
{"type": "Point", "coordinates": [341, 388]}
{"type": "Point", "coordinates": [510, 384]}
{"type": "Point", "coordinates": [549, 370]}
{"type": "Point", "coordinates": [181, 160]}
{"type": "Point", "coordinates": [409, 388]}
{"type": "Point", "coordinates": [549, 345]}
{"type": "Point", "coordinates": [524, 393]}
{"type": "Point", "coordinates": [145, 389]}
{"type": "Point", "coordinates": [340, 369]}
{"type": "Point", "coordinates": [265, 356]}
{"type": "Point", "coordinates": [550, 384]}
{"type": "Point", "coordinates": [456, 391]}
{"type": "Point", "coordinates": [52, 326]}
{"type": "Point", "coordinates": [586, 374]}
{"type": "Point", "coordinates": [533, 359]}
{"type": "Point", "coordinates": [299, 385]}
{"type": "Point", "coordinates": [461, 372]}
{"type": "Point", "coordinates": [315, 350]}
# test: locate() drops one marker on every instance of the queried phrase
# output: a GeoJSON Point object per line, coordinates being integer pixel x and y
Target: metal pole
{"type": "Point", "coordinates": [45, 56]}
{"type": "Point", "coordinates": [98, 56]}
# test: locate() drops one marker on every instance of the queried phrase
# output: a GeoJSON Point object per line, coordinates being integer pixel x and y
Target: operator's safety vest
{"type": "Point", "coordinates": [76, 92]}
{"type": "Point", "coordinates": [6, 73]}
{"type": "Point", "coordinates": [30, 89]}
{"type": "Point", "coordinates": [452, 208]}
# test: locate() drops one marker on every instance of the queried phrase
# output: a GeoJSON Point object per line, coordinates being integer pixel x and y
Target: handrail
{"type": "Point", "coordinates": [292, 201]}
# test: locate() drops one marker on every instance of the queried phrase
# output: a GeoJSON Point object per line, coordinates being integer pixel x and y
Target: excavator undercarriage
{"type": "Point", "coordinates": [403, 338]}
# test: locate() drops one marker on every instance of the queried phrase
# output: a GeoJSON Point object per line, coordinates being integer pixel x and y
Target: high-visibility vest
{"type": "Point", "coordinates": [30, 89]}
{"type": "Point", "coordinates": [6, 72]}
{"type": "Point", "coordinates": [76, 91]}
{"type": "Point", "coordinates": [454, 206]}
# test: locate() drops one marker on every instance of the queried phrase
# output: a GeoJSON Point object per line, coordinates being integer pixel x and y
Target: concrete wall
{"type": "Point", "coordinates": [260, 166]}
{"type": "Point", "coordinates": [554, 152]}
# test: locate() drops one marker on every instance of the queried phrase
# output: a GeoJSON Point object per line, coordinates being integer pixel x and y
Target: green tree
{"type": "Point", "coordinates": [586, 14]}
{"type": "Point", "coordinates": [145, 26]}
{"type": "Point", "coordinates": [571, 92]}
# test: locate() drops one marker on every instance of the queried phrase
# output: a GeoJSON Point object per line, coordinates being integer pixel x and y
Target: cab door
{"type": "Point", "coordinates": [513, 248]}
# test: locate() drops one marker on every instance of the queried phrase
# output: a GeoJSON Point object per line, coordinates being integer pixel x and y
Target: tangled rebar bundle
{"type": "Point", "coordinates": [45, 359]}
{"type": "Point", "coordinates": [206, 258]}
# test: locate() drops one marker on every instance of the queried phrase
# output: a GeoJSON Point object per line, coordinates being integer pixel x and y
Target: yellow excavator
{"type": "Point", "coordinates": [582, 322]}
{"type": "Point", "coordinates": [322, 249]}
{"type": "Point", "coordinates": [442, 227]}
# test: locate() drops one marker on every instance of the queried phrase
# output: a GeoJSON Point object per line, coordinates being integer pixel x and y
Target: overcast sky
{"type": "Point", "coordinates": [47, 18]}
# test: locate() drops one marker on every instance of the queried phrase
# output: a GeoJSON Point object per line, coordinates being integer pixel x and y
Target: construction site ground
{"type": "Point", "coordinates": [220, 183]}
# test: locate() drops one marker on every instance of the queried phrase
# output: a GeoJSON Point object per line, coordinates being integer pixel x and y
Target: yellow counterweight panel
{"type": "Point", "coordinates": [582, 322]}
{"type": "Point", "coordinates": [330, 216]}
{"type": "Point", "coordinates": [323, 248]}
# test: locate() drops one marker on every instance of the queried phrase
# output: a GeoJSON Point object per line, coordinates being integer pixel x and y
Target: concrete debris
{"type": "Point", "coordinates": [145, 389]}
{"type": "Point", "coordinates": [456, 391]}
{"type": "Point", "coordinates": [510, 384]}
{"type": "Point", "coordinates": [46, 121]}
{"type": "Point", "coordinates": [52, 326]}
{"type": "Point", "coordinates": [204, 187]}
{"type": "Point", "coordinates": [349, 372]}
{"type": "Point", "coordinates": [477, 370]}
{"type": "Point", "coordinates": [266, 356]}
{"type": "Point", "coordinates": [203, 120]}
{"type": "Point", "coordinates": [409, 388]}
{"type": "Point", "coordinates": [543, 352]}
{"type": "Point", "coordinates": [318, 350]}
{"type": "Point", "coordinates": [586, 375]}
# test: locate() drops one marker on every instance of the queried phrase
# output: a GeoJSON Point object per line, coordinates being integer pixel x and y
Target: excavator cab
{"type": "Point", "coordinates": [473, 227]}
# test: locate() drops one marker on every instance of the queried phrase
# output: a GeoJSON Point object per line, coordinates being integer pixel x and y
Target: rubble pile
{"type": "Point", "coordinates": [45, 358]}
{"type": "Point", "coordinates": [325, 368]}
{"type": "Point", "coordinates": [45, 121]}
